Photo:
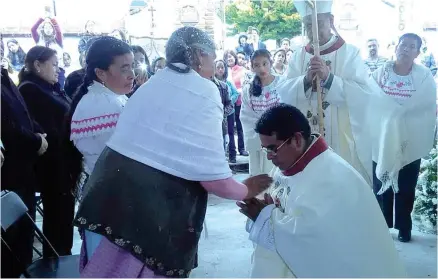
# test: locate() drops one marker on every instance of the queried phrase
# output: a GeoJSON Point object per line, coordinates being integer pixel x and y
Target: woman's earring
{"type": "Point", "coordinates": [200, 67]}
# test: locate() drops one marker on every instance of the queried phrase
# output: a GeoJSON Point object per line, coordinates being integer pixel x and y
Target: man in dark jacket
{"type": "Point", "coordinates": [23, 141]}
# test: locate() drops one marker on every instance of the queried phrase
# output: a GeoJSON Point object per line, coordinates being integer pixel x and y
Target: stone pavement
{"type": "Point", "coordinates": [225, 251]}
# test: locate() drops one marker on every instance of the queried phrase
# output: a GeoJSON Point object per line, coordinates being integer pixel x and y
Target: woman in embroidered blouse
{"type": "Point", "coordinates": [258, 96]}
{"type": "Point", "coordinates": [145, 203]}
{"type": "Point", "coordinates": [279, 65]}
{"type": "Point", "coordinates": [101, 98]}
{"type": "Point", "coordinates": [404, 125]}
{"type": "Point", "coordinates": [237, 76]}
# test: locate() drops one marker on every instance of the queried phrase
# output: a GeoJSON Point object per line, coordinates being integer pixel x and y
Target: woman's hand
{"type": "Point", "coordinates": [257, 184]}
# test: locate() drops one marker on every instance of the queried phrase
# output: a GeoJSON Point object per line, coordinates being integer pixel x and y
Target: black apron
{"type": "Point", "coordinates": [155, 216]}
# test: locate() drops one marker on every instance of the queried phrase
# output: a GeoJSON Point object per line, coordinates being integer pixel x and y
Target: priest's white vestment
{"type": "Point", "coordinates": [345, 99]}
{"type": "Point", "coordinates": [327, 223]}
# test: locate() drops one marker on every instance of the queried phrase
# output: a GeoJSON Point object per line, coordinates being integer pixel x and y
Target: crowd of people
{"type": "Point", "coordinates": [47, 32]}
{"type": "Point", "coordinates": [153, 139]}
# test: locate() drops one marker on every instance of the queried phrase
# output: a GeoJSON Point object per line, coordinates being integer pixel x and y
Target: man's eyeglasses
{"type": "Point", "coordinates": [274, 150]}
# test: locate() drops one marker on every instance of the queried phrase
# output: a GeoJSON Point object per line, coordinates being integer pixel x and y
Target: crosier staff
{"type": "Point", "coordinates": [312, 4]}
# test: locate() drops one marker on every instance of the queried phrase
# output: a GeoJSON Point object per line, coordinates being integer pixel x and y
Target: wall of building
{"type": "Point", "coordinates": [375, 19]}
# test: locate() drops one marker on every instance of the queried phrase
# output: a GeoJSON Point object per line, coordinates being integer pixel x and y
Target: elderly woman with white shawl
{"type": "Point", "coordinates": [144, 205]}
{"type": "Point", "coordinates": [402, 124]}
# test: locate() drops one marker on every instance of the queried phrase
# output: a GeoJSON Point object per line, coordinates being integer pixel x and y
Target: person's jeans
{"type": "Point", "coordinates": [241, 143]}
{"type": "Point", "coordinates": [404, 199]}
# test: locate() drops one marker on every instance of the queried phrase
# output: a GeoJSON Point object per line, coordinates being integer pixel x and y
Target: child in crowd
{"type": "Point", "coordinates": [221, 73]}
{"type": "Point", "coordinates": [258, 96]}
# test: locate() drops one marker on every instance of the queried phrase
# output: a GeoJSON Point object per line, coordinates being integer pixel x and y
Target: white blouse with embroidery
{"type": "Point", "coordinates": [253, 107]}
{"type": "Point", "coordinates": [399, 87]}
{"type": "Point", "coordinates": [94, 122]}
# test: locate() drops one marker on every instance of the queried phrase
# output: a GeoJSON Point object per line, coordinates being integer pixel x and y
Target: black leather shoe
{"type": "Point", "coordinates": [232, 160]}
{"type": "Point", "coordinates": [404, 236]}
{"type": "Point", "coordinates": [244, 153]}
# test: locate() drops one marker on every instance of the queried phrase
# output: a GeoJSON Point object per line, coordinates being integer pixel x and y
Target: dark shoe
{"type": "Point", "coordinates": [404, 236]}
{"type": "Point", "coordinates": [244, 153]}
{"type": "Point", "coordinates": [232, 160]}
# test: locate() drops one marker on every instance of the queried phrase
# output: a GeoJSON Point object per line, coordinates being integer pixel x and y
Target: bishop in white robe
{"type": "Point", "coordinates": [345, 88]}
{"type": "Point", "coordinates": [321, 218]}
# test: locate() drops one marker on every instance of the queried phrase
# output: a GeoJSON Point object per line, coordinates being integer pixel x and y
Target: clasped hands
{"type": "Point", "coordinates": [252, 207]}
{"type": "Point", "coordinates": [317, 67]}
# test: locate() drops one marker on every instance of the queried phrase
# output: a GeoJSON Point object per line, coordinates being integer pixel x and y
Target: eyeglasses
{"type": "Point", "coordinates": [274, 150]}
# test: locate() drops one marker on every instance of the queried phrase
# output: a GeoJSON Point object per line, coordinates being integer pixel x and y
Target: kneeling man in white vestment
{"type": "Point", "coordinates": [320, 218]}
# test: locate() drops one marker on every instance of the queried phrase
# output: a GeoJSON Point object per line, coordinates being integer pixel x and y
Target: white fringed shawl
{"type": "Point", "coordinates": [174, 123]}
{"type": "Point", "coordinates": [402, 133]}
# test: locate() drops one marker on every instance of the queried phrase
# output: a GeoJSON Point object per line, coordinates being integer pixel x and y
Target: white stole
{"type": "Point", "coordinates": [401, 133]}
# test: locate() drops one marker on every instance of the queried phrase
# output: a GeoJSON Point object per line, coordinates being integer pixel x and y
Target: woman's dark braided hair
{"type": "Point", "coordinates": [185, 45]}
{"type": "Point", "coordinates": [100, 56]}
{"type": "Point", "coordinates": [255, 87]}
